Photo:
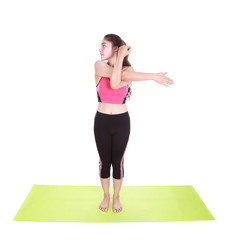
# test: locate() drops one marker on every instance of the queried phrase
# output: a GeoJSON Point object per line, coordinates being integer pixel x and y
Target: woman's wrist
{"type": "Point", "coordinates": [120, 57]}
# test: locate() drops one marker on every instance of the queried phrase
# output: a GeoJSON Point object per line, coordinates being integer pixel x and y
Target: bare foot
{"type": "Point", "coordinates": [105, 204]}
{"type": "Point", "coordinates": [116, 204]}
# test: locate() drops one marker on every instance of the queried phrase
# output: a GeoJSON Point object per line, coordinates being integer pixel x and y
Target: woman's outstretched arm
{"type": "Point", "coordinates": [122, 77]}
{"type": "Point", "coordinates": [130, 76]}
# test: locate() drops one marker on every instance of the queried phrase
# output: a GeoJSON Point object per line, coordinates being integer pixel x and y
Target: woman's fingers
{"type": "Point", "coordinates": [169, 80]}
{"type": "Point", "coordinates": [165, 84]}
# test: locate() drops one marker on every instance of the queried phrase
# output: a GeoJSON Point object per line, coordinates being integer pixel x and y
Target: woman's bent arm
{"type": "Point", "coordinates": [116, 76]}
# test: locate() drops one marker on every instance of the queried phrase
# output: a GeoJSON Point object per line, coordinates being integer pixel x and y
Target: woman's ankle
{"type": "Point", "coordinates": [115, 196]}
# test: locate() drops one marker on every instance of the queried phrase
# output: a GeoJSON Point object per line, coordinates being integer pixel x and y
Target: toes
{"type": "Point", "coordinates": [119, 209]}
{"type": "Point", "coordinates": [103, 209]}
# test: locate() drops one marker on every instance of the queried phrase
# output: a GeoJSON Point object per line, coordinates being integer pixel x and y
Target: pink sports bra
{"type": "Point", "coordinates": [108, 95]}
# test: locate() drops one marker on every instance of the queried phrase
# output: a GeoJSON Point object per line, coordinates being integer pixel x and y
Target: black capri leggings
{"type": "Point", "coordinates": [111, 137]}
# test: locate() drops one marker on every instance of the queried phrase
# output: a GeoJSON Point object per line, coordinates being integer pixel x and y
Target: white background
{"type": "Point", "coordinates": [48, 101]}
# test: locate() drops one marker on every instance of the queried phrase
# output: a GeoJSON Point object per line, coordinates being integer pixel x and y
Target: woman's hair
{"type": "Point", "coordinates": [117, 42]}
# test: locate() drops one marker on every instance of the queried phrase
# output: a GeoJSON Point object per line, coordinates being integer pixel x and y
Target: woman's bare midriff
{"type": "Point", "coordinates": [109, 108]}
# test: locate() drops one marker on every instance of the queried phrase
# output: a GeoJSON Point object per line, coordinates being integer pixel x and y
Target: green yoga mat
{"type": "Point", "coordinates": [58, 203]}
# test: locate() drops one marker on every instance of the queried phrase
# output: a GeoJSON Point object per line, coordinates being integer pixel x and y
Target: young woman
{"type": "Point", "coordinates": [112, 120]}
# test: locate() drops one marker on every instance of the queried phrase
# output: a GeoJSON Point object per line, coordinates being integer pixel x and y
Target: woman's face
{"type": "Point", "coordinates": [106, 50]}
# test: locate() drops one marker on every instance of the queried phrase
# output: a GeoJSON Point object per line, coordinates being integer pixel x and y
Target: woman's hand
{"type": "Point", "coordinates": [124, 50]}
{"type": "Point", "coordinates": [162, 79]}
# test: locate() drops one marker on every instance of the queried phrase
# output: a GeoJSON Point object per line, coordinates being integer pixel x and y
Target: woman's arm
{"type": "Point", "coordinates": [116, 76]}
{"type": "Point", "coordinates": [130, 76]}
{"type": "Point", "coordinates": [120, 78]}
